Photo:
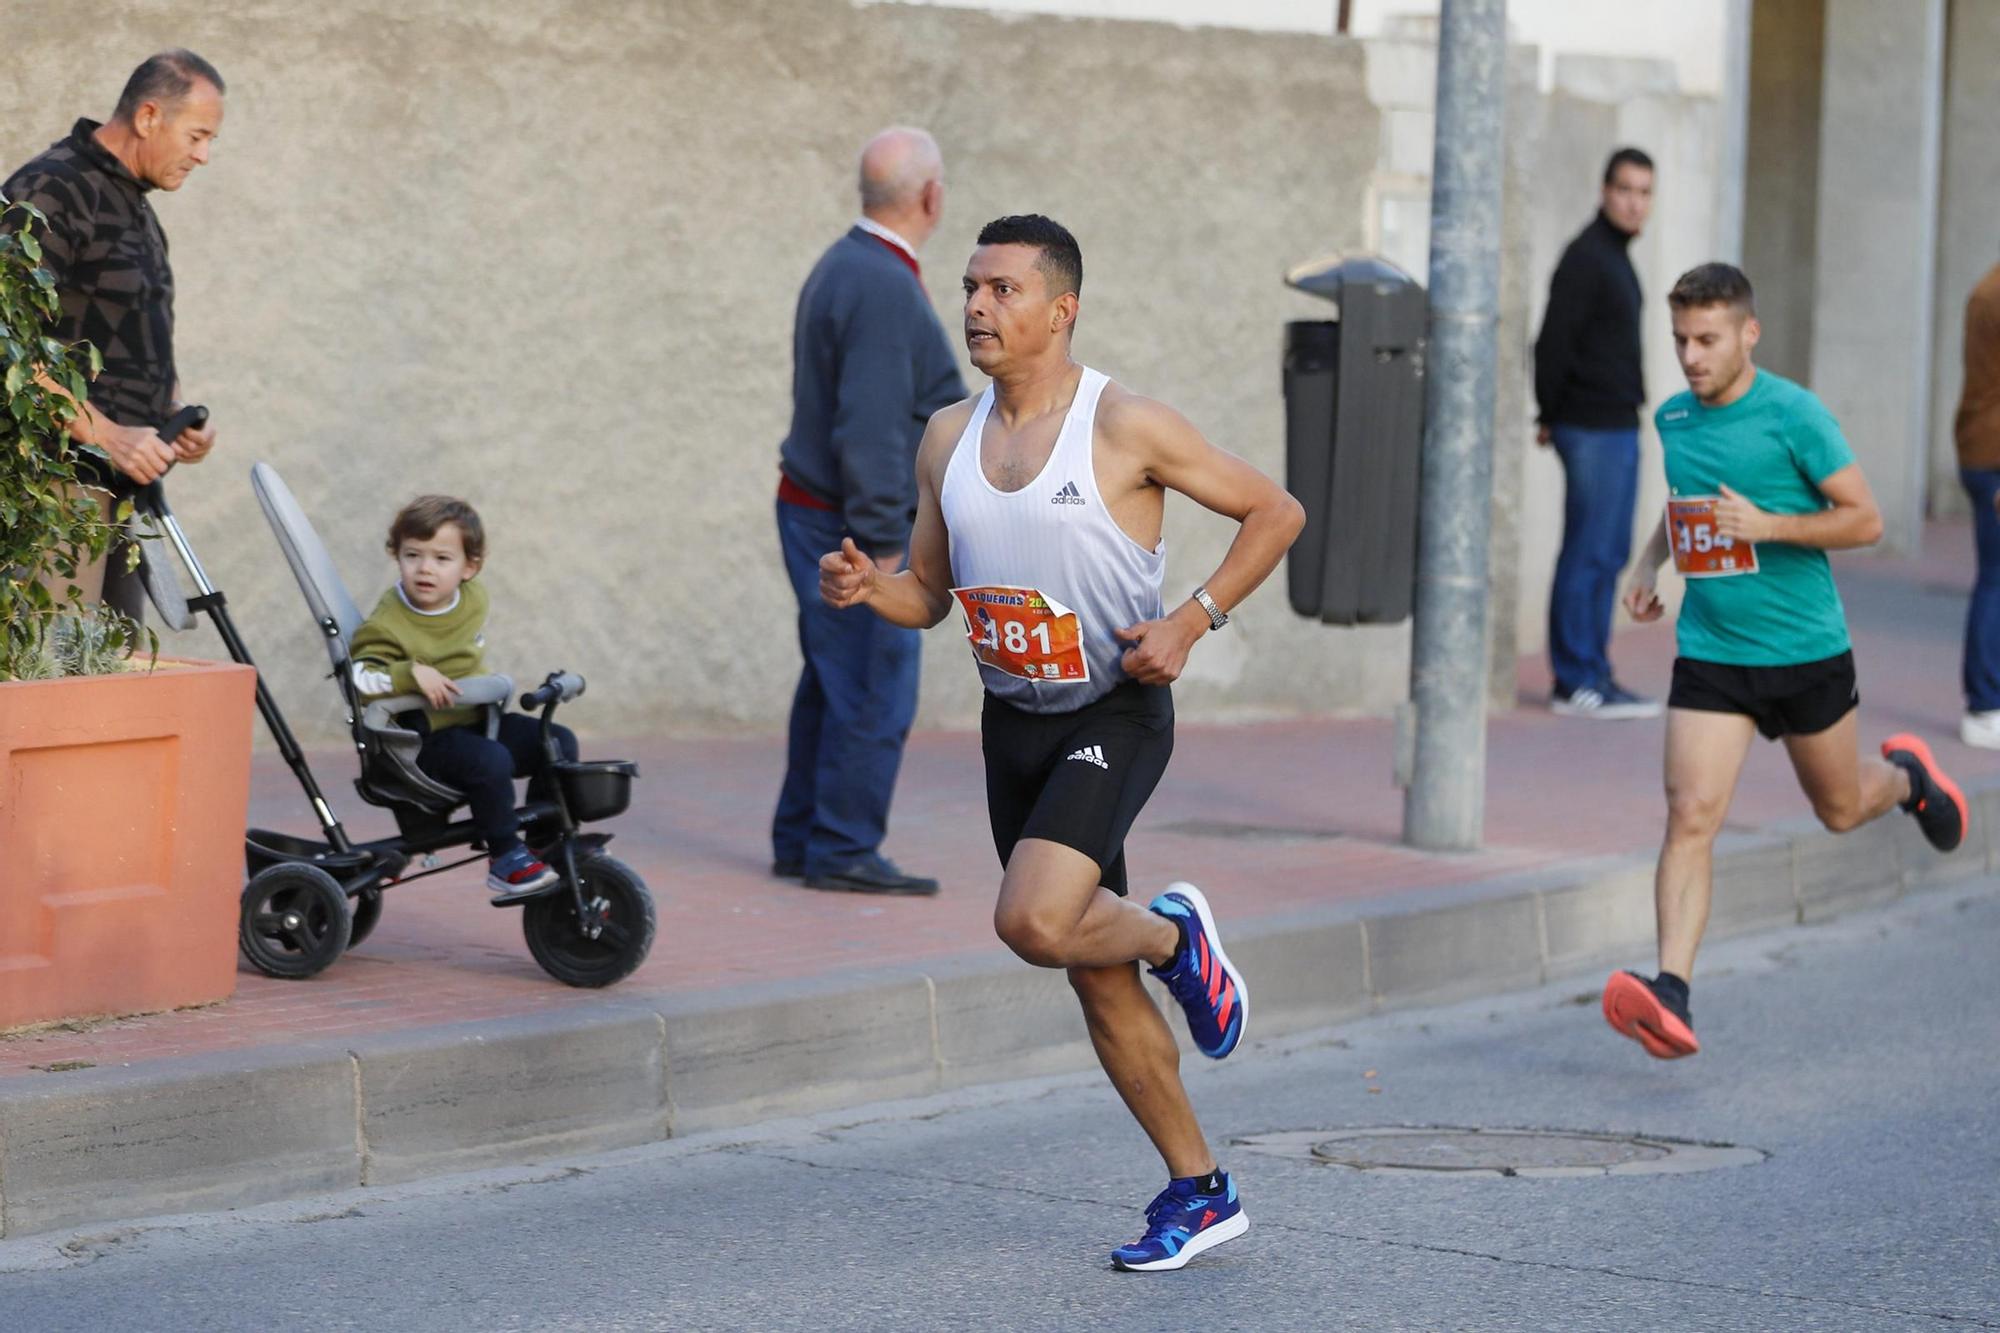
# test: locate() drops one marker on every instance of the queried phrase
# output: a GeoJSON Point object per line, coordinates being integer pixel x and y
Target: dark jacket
{"type": "Point", "coordinates": [108, 256]}
{"type": "Point", "coordinates": [870, 364]}
{"type": "Point", "coordinates": [1587, 359]}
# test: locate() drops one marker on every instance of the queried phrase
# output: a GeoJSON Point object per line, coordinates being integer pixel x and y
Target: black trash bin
{"type": "Point", "coordinates": [1354, 410]}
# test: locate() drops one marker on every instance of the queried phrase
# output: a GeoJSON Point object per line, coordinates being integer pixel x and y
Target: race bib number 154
{"type": "Point", "coordinates": [1700, 549]}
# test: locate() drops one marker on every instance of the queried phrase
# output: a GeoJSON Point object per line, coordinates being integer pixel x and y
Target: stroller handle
{"type": "Point", "coordinates": [560, 687]}
{"type": "Point", "coordinates": [192, 417]}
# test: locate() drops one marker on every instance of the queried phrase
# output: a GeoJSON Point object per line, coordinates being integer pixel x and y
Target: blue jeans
{"type": "Point", "coordinates": [1601, 472]}
{"type": "Point", "coordinates": [851, 712]}
{"type": "Point", "coordinates": [1982, 617]}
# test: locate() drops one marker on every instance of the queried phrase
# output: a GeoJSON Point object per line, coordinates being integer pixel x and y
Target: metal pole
{"type": "Point", "coordinates": [1445, 806]}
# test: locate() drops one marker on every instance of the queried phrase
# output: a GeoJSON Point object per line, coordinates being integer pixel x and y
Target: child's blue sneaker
{"type": "Point", "coordinates": [518, 874]}
{"type": "Point", "coordinates": [1181, 1223]}
{"type": "Point", "coordinates": [1200, 976]}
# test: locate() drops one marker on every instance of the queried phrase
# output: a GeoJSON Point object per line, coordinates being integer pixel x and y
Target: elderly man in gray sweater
{"type": "Point", "coordinates": [870, 364]}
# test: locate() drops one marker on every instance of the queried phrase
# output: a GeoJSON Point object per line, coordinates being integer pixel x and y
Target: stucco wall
{"type": "Point", "coordinates": [545, 254]}
{"type": "Point", "coordinates": [1598, 105]}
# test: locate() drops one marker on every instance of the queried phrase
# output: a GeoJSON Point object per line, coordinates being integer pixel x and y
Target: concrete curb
{"type": "Point", "coordinates": [227, 1131]}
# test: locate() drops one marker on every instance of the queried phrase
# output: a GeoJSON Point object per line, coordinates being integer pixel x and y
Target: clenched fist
{"type": "Point", "coordinates": [1158, 652]}
{"type": "Point", "coordinates": [1642, 598]}
{"type": "Point", "coordinates": [846, 577]}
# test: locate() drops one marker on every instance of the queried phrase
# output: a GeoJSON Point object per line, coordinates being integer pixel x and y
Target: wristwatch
{"type": "Point", "coordinates": [1217, 617]}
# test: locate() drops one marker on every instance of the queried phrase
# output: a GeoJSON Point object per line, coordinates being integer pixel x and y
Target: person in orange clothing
{"type": "Point", "coordinates": [1977, 428]}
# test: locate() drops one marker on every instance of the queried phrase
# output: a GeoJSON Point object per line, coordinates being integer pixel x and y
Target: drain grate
{"type": "Point", "coordinates": [1533, 1153]}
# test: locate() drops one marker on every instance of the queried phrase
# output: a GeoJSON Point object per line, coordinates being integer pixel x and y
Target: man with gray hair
{"type": "Point", "coordinates": [870, 364]}
{"type": "Point", "coordinates": [108, 255]}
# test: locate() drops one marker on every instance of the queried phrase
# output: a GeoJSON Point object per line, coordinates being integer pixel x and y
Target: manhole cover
{"type": "Point", "coordinates": [1499, 1152]}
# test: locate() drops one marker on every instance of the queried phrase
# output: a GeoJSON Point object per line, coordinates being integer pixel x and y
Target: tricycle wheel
{"type": "Point", "coordinates": [366, 909]}
{"type": "Point", "coordinates": [619, 911]}
{"type": "Point", "coordinates": [294, 920]}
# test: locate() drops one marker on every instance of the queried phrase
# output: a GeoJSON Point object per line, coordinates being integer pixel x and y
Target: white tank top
{"type": "Point", "coordinates": [1054, 536]}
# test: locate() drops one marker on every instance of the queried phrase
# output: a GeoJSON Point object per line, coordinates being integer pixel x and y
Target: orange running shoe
{"type": "Point", "coordinates": [1935, 800]}
{"type": "Point", "coordinates": [1635, 1010]}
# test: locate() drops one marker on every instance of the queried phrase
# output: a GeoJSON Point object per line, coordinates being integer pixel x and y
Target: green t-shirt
{"type": "Point", "coordinates": [397, 636]}
{"type": "Point", "coordinates": [1773, 446]}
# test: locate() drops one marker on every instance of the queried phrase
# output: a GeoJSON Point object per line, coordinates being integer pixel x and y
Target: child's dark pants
{"type": "Point", "coordinates": [485, 769]}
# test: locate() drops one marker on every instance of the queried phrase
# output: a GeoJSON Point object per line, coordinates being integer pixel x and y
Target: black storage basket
{"type": "Point", "coordinates": [597, 788]}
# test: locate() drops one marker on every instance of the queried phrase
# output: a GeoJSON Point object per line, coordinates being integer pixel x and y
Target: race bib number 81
{"type": "Point", "coordinates": [1700, 549]}
{"type": "Point", "coordinates": [1024, 633]}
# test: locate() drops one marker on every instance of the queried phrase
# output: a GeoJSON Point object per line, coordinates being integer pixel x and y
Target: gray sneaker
{"type": "Point", "coordinates": [1613, 703]}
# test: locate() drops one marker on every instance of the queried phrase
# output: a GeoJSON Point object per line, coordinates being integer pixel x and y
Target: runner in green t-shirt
{"type": "Point", "coordinates": [1761, 486]}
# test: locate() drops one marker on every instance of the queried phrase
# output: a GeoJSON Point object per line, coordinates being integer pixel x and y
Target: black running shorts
{"type": "Point", "coordinates": [1801, 700]}
{"type": "Point", "coordinates": [1079, 778]}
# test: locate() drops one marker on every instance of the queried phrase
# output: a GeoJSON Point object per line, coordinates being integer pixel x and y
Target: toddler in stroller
{"type": "Point", "coordinates": [590, 922]}
{"type": "Point", "coordinates": [427, 633]}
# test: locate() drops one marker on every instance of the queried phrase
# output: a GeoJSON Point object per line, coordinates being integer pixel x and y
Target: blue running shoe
{"type": "Point", "coordinates": [1200, 976]}
{"type": "Point", "coordinates": [1181, 1223]}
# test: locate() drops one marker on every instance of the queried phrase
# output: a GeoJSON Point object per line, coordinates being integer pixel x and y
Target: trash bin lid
{"type": "Point", "coordinates": [1327, 276]}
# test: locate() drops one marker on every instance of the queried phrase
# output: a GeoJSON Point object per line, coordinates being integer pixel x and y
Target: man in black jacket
{"type": "Point", "coordinates": [1590, 387]}
{"type": "Point", "coordinates": [103, 244]}
{"type": "Point", "coordinates": [870, 364]}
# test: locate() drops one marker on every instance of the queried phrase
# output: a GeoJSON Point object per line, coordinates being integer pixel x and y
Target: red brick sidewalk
{"type": "Point", "coordinates": [1269, 818]}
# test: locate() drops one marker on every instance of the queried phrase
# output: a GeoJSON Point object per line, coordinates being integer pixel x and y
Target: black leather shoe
{"type": "Point", "coordinates": [871, 874]}
{"type": "Point", "coordinates": [788, 869]}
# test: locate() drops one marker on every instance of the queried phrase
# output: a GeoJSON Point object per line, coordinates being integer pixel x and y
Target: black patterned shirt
{"type": "Point", "coordinates": [109, 258]}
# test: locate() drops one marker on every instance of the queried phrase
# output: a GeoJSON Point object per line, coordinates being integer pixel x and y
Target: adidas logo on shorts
{"type": "Point", "coordinates": [1092, 754]}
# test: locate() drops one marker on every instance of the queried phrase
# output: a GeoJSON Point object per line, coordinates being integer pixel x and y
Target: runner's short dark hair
{"type": "Point", "coordinates": [421, 518]}
{"type": "Point", "coordinates": [165, 78]}
{"type": "Point", "coordinates": [1626, 157]}
{"type": "Point", "coordinates": [1061, 260]}
{"type": "Point", "coordinates": [1713, 284]}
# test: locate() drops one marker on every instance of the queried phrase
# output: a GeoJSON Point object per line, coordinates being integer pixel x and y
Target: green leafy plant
{"type": "Point", "coordinates": [49, 528]}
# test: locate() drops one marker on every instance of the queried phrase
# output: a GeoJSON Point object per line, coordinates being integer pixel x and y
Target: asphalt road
{"type": "Point", "coordinates": [1862, 1056]}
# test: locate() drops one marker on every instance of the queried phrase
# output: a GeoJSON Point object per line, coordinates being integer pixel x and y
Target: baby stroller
{"type": "Point", "coordinates": [307, 900]}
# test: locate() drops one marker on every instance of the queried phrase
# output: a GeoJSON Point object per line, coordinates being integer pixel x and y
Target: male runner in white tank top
{"type": "Point", "coordinates": [1039, 508]}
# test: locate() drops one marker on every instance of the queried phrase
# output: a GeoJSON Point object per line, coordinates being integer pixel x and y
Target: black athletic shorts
{"type": "Point", "coordinates": [1801, 700]}
{"type": "Point", "coordinates": [1078, 778]}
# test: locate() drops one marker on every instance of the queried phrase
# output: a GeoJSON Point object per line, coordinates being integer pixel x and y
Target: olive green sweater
{"type": "Point", "coordinates": [396, 636]}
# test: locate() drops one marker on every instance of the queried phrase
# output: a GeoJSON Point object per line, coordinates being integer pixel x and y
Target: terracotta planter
{"type": "Point", "coordinates": [122, 807]}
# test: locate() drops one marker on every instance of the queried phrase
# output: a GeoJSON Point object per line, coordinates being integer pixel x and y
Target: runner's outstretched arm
{"type": "Point", "coordinates": [918, 596]}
